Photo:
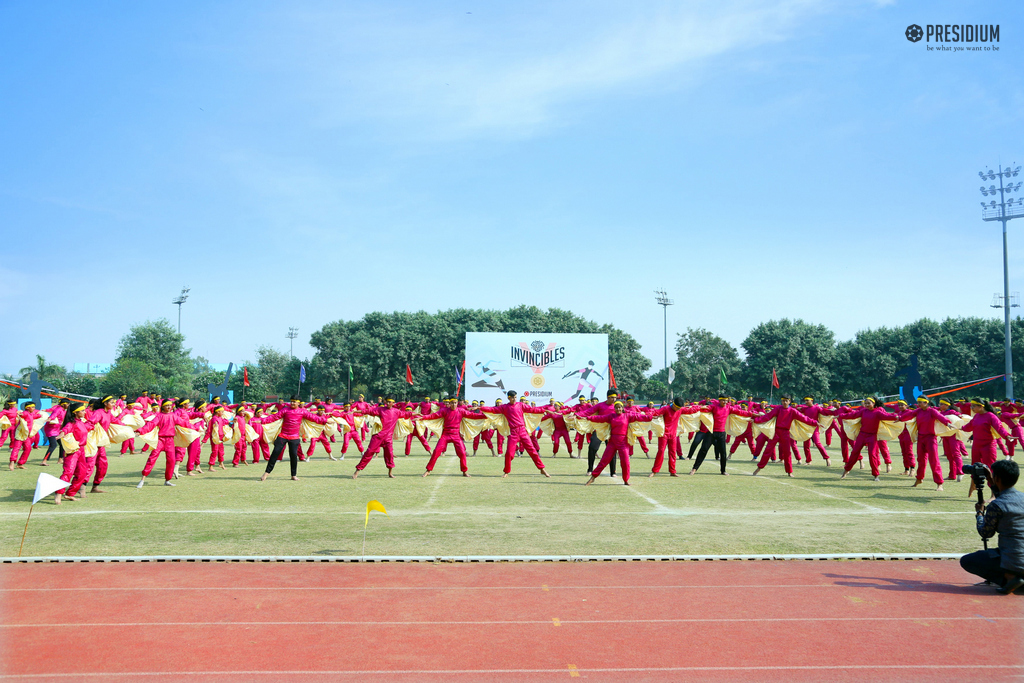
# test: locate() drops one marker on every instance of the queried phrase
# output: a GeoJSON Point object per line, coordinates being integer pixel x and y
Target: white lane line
{"type": "Point", "coordinates": [441, 478]}
{"type": "Point", "coordinates": [146, 589]}
{"type": "Point", "coordinates": [657, 506]}
{"type": "Point", "coordinates": [501, 622]}
{"type": "Point", "coordinates": [824, 495]}
{"type": "Point", "coordinates": [449, 672]}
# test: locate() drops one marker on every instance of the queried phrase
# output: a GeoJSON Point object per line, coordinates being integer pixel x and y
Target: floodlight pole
{"type": "Point", "coordinates": [1004, 212]}
{"type": "Point", "coordinates": [664, 302]}
{"type": "Point", "coordinates": [293, 332]}
{"type": "Point", "coordinates": [181, 298]}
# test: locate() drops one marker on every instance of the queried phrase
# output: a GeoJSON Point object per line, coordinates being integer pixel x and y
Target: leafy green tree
{"type": "Point", "coordinates": [161, 347]}
{"type": "Point", "coordinates": [953, 351]}
{"type": "Point", "coordinates": [49, 372]}
{"type": "Point", "coordinates": [130, 377]}
{"type": "Point", "coordinates": [79, 383]}
{"type": "Point", "coordinates": [702, 357]}
{"type": "Point", "coordinates": [201, 382]}
{"type": "Point", "coordinates": [801, 354]}
{"type": "Point", "coordinates": [379, 346]}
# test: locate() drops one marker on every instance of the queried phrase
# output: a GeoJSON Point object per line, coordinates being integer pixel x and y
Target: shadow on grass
{"type": "Point", "coordinates": [906, 499]}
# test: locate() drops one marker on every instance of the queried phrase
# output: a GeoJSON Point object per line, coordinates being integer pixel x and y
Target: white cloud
{"type": "Point", "coordinates": [441, 76]}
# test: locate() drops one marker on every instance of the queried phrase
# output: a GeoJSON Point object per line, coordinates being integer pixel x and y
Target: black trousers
{"type": "Point", "coordinates": [717, 439]}
{"type": "Point", "coordinates": [293, 454]}
{"type": "Point", "coordinates": [985, 563]}
{"type": "Point", "coordinates": [698, 439]}
{"type": "Point", "coordinates": [54, 443]}
{"type": "Point", "coordinates": [594, 445]}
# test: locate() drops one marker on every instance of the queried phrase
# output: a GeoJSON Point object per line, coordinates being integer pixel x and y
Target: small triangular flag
{"type": "Point", "coordinates": [373, 505]}
{"type": "Point", "coordinates": [47, 484]}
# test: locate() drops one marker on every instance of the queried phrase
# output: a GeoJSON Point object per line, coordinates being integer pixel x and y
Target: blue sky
{"type": "Point", "coordinates": [296, 163]}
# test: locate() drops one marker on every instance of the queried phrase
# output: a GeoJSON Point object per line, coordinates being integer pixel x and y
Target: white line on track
{"type": "Point", "coordinates": [177, 674]}
{"type": "Point", "coordinates": [500, 622]}
{"type": "Point", "coordinates": [824, 495]}
{"type": "Point", "coordinates": [146, 589]}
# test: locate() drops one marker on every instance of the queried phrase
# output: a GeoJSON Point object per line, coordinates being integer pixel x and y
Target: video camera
{"type": "Point", "coordinates": [979, 472]}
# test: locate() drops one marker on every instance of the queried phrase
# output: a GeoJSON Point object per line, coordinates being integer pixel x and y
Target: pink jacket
{"type": "Point", "coordinates": [513, 413]}
{"type": "Point", "coordinates": [784, 417]}
{"type": "Point", "coordinates": [926, 419]}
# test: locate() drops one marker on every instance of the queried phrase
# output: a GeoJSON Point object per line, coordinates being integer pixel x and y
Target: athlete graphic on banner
{"type": "Point", "coordinates": [484, 370]}
{"type": "Point", "coordinates": [584, 373]}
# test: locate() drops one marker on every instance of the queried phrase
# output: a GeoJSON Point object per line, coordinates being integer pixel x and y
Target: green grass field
{"type": "Point", "coordinates": [231, 513]}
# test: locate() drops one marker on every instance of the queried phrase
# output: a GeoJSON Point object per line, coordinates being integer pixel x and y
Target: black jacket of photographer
{"type": "Point", "coordinates": [1005, 516]}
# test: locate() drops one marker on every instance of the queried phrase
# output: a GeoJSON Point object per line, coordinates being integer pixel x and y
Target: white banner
{"type": "Point", "coordinates": [538, 367]}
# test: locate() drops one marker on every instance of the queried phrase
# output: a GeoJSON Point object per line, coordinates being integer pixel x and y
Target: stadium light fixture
{"type": "Point", "coordinates": [663, 301]}
{"type": "Point", "coordinates": [1004, 211]}
{"type": "Point", "coordinates": [178, 301]}
{"type": "Point", "coordinates": [293, 332]}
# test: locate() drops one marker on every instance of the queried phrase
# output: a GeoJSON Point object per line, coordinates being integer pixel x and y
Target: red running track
{"type": "Point", "coordinates": [610, 621]}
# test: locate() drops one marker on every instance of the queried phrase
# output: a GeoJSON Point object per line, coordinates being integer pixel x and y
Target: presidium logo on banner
{"type": "Point", "coordinates": [955, 33]}
{"type": "Point", "coordinates": [537, 357]}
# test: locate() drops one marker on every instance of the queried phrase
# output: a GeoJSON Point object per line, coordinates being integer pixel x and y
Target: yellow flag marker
{"type": "Point", "coordinates": [372, 505]}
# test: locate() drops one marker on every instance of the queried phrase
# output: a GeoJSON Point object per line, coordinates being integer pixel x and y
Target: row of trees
{"type": "Point", "coordinates": [378, 347]}
{"type": "Point", "coordinates": [808, 360]}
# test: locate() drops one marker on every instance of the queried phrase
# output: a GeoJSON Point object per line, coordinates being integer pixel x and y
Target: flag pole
{"type": "Point", "coordinates": [363, 553]}
{"type": "Point", "coordinates": [26, 529]}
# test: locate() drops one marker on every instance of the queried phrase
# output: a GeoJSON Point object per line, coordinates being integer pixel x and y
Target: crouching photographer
{"type": "Point", "coordinates": [1004, 515]}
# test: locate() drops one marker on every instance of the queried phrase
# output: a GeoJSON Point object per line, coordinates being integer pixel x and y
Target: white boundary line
{"type": "Point", "coordinates": [483, 559]}
{"type": "Point", "coordinates": [562, 672]}
{"type": "Point", "coordinates": [497, 622]}
{"type": "Point", "coordinates": [147, 589]}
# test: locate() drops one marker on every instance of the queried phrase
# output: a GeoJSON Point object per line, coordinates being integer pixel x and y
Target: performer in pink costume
{"type": "Point", "coordinates": [513, 412]}
{"type": "Point", "coordinates": [452, 415]}
{"type": "Point", "coordinates": [952, 447]}
{"type": "Point", "coordinates": [617, 443]}
{"type": "Point", "coordinates": [906, 443]}
{"type": "Point", "coordinates": [927, 442]}
{"type": "Point", "coordinates": [101, 414]}
{"type": "Point", "coordinates": [164, 422]}
{"type": "Point", "coordinates": [323, 439]}
{"type": "Point", "coordinates": [561, 430]}
{"type": "Point", "coordinates": [813, 410]}
{"type": "Point", "coordinates": [10, 411]}
{"type": "Point", "coordinates": [217, 424]}
{"type": "Point", "coordinates": [194, 451]}
{"type": "Point", "coordinates": [670, 440]}
{"type": "Point", "coordinates": [389, 414]}
{"type": "Point", "coordinates": [871, 414]}
{"type": "Point", "coordinates": [76, 470]}
{"type": "Point", "coordinates": [260, 445]}
{"type": "Point", "coordinates": [784, 415]}
{"type": "Point", "coordinates": [21, 449]}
